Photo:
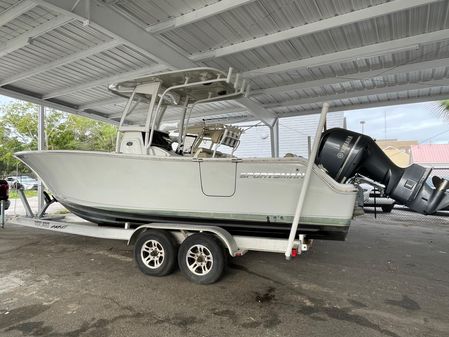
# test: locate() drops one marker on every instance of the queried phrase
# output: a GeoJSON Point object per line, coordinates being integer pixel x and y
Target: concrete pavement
{"type": "Point", "coordinates": [390, 278]}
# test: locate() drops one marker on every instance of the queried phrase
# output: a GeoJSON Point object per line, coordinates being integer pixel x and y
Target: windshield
{"type": "Point", "coordinates": [137, 113]}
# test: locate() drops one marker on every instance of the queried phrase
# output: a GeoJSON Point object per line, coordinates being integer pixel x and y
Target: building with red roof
{"type": "Point", "coordinates": [432, 155]}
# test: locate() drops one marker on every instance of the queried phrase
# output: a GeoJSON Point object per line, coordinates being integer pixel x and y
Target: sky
{"type": "Point", "coordinates": [419, 121]}
{"type": "Point", "coordinates": [5, 100]}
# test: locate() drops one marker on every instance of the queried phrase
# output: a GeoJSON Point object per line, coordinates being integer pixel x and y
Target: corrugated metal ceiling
{"type": "Point", "coordinates": [75, 81]}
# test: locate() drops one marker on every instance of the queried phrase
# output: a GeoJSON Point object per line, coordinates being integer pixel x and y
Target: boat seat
{"type": "Point", "coordinates": [160, 152]}
{"type": "Point", "coordinates": [160, 139]}
{"type": "Point", "coordinates": [290, 155]}
{"type": "Point", "coordinates": [133, 142]}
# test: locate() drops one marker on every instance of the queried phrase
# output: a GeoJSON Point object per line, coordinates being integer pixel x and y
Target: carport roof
{"type": "Point", "coordinates": [296, 54]}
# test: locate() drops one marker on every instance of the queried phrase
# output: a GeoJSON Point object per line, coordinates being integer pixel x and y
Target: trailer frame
{"type": "Point", "coordinates": [235, 245]}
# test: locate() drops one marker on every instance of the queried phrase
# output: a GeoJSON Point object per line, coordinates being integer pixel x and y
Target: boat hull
{"type": "Point", "coordinates": [246, 197]}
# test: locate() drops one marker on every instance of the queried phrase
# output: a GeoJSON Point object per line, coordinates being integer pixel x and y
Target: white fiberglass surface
{"type": "Point", "coordinates": [248, 188]}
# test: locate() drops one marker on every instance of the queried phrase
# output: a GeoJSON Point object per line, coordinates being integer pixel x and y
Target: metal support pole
{"type": "Point", "coordinates": [309, 146]}
{"type": "Point", "coordinates": [41, 145]}
{"type": "Point", "coordinates": [274, 136]}
{"type": "Point", "coordinates": [305, 183]}
{"type": "Point", "coordinates": [25, 203]}
{"type": "Point", "coordinates": [2, 213]}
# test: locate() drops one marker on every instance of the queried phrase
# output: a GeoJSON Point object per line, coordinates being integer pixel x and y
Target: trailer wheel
{"type": "Point", "coordinates": [201, 258]}
{"type": "Point", "coordinates": [155, 253]}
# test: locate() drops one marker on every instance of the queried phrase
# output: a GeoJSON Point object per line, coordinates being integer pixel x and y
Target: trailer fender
{"type": "Point", "coordinates": [182, 231]}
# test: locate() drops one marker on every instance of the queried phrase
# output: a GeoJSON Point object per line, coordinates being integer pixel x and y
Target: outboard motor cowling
{"type": "Point", "coordinates": [345, 153]}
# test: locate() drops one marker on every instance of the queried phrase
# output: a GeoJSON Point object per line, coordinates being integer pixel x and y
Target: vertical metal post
{"type": "Point", "coordinates": [274, 137]}
{"type": "Point", "coordinates": [2, 213]}
{"type": "Point", "coordinates": [41, 145]}
{"type": "Point", "coordinates": [309, 146]}
{"type": "Point", "coordinates": [305, 183]}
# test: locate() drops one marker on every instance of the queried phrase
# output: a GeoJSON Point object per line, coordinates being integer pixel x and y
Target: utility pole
{"type": "Point", "coordinates": [362, 123]}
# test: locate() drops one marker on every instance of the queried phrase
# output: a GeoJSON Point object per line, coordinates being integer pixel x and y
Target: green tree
{"type": "Point", "coordinates": [18, 132]}
{"type": "Point", "coordinates": [445, 108]}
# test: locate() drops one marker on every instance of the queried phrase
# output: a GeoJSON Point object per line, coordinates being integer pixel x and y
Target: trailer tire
{"type": "Point", "coordinates": [155, 252]}
{"type": "Point", "coordinates": [201, 258]}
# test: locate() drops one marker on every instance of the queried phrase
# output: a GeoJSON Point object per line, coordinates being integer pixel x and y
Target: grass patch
{"type": "Point", "coordinates": [29, 193]}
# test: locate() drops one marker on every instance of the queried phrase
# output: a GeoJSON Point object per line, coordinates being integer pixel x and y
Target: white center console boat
{"type": "Point", "coordinates": [183, 176]}
{"type": "Point", "coordinates": [182, 197]}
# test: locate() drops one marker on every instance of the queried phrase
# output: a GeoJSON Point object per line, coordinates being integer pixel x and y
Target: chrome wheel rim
{"type": "Point", "coordinates": [152, 254]}
{"type": "Point", "coordinates": [199, 260]}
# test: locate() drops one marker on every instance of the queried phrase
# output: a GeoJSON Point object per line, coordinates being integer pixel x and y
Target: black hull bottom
{"type": "Point", "coordinates": [235, 227]}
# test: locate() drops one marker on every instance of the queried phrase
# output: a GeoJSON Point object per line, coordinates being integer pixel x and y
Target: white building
{"type": "Point", "coordinates": [293, 133]}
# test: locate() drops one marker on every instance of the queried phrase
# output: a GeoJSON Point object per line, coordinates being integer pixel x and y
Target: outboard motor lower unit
{"type": "Point", "coordinates": [343, 154]}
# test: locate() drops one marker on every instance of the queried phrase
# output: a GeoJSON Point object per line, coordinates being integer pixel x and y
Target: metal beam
{"type": "Point", "coordinates": [406, 68]}
{"type": "Point", "coordinates": [62, 61]}
{"type": "Point", "coordinates": [421, 99]}
{"type": "Point", "coordinates": [274, 139]}
{"type": "Point", "coordinates": [24, 39]}
{"type": "Point", "coordinates": [16, 11]}
{"type": "Point", "coordinates": [107, 80]}
{"type": "Point", "coordinates": [376, 49]}
{"type": "Point", "coordinates": [104, 102]}
{"type": "Point", "coordinates": [361, 93]}
{"type": "Point", "coordinates": [314, 27]}
{"type": "Point", "coordinates": [114, 24]}
{"type": "Point", "coordinates": [236, 119]}
{"type": "Point", "coordinates": [30, 97]}
{"type": "Point", "coordinates": [258, 110]}
{"type": "Point", "coordinates": [197, 15]}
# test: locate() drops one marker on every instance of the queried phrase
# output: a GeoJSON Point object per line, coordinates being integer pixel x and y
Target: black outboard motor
{"type": "Point", "coordinates": [345, 153]}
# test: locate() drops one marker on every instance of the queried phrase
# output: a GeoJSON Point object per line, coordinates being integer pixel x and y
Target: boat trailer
{"type": "Point", "coordinates": [197, 256]}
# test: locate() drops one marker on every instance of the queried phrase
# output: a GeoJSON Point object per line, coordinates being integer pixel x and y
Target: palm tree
{"type": "Point", "coordinates": [445, 104]}
{"type": "Point", "coordinates": [444, 109]}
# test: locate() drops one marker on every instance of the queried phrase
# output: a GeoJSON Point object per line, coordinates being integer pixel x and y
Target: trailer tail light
{"type": "Point", "coordinates": [4, 190]}
{"type": "Point", "coordinates": [294, 252]}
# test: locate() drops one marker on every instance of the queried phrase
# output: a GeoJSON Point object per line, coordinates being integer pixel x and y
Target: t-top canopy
{"type": "Point", "coordinates": [196, 84]}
